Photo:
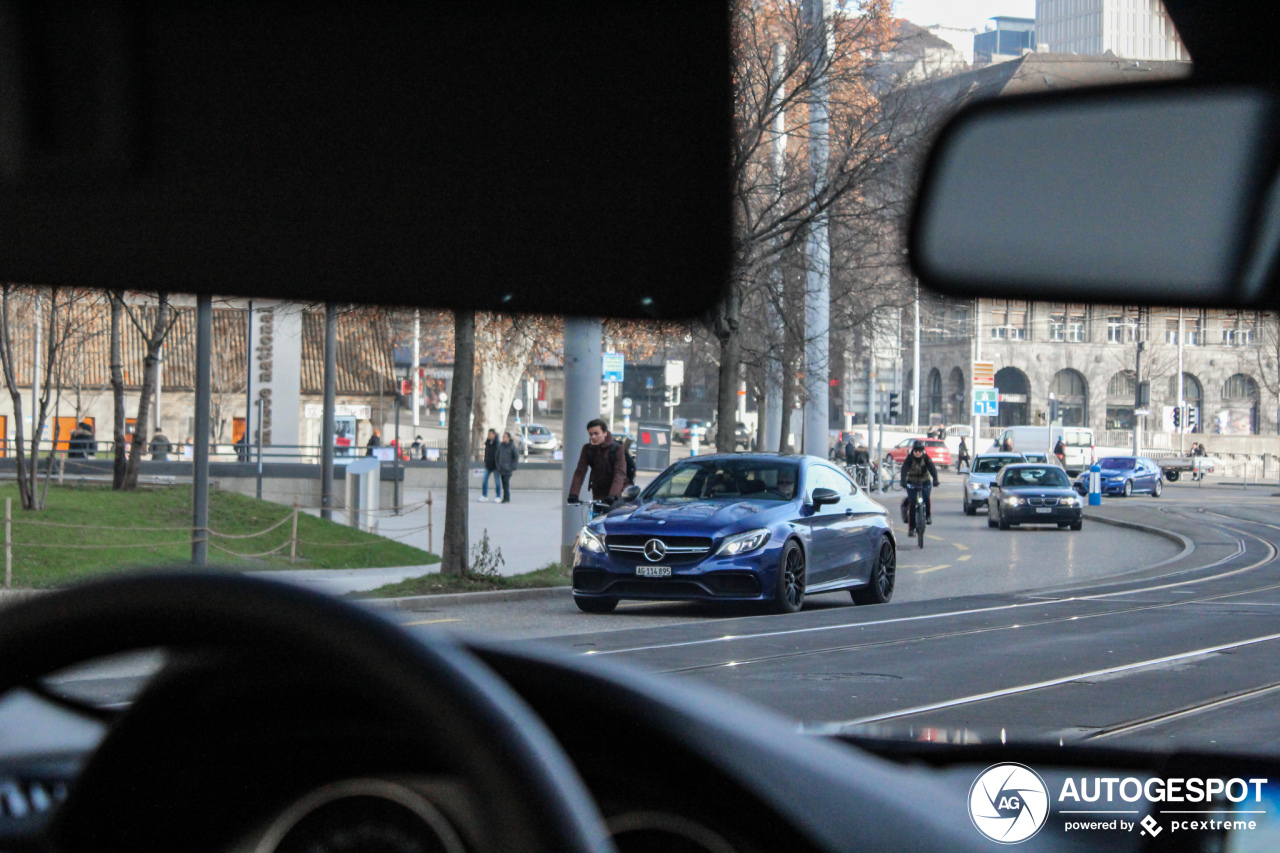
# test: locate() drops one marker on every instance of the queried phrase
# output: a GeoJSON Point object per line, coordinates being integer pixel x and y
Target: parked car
{"type": "Point", "coordinates": [1125, 475]}
{"type": "Point", "coordinates": [1034, 494]}
{"type": "Point", "coordinates": [538, 439]}
{"type": "Point", "coordinates": [743, 437]}
{"type": "Point", "coordinates": [739, 527]}
{"type": "Point", "coordinates": [934, 448]}
{"type": "Point", "coordinates": [983, 472]}
{"type": "Point", "coordinates": [684, 432]}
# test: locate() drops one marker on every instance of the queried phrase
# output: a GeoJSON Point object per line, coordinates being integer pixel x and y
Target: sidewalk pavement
{"type": "Point", "coordinates": [526, 531]}
{"type": "Point", "coordinates": [342, 581]}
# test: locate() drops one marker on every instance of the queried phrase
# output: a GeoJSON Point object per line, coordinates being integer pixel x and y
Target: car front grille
{"type": "Point", "coordinates": [679, 549]}
{"type": "Point", "coordinates": [1043, 501]}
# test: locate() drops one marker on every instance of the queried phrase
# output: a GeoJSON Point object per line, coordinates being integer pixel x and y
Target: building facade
{"type": "Point", "coordinates": [1008, 37]}
{"type": "Point", "coordinates": [1133, 29]}
{"type": "Point", "coordinates": [1087, 357]}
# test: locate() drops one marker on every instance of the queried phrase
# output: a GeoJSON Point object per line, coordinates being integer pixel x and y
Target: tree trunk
{"type": "Point", "coordinates": [150, 371]}
{"type": "Point", "coordinates": [727, 330]}
{"type": "Point", "coordinates": [787, 395]}
{"type": "Point", "coordinates": [11, 382]}
{"type": "Point", "coordinates": [454, 552]}
{"type": "Point", "coordinates": [117, 394]}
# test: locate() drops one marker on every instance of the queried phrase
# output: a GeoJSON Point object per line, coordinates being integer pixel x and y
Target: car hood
{"type": "Point", "coordinates": [982, 479]}
{"type": "Point", "coordinates": [675, 517]}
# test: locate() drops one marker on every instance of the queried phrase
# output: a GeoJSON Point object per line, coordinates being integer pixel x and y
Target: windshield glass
{"type": "Point", "coordinates": [732, 479]}
{"type": "Point", "coordinates": [992, 464]}
{"type": "Point", "coordinates": [1118, 463]}
{"type": "Point", "coordinates": [1048, 477]}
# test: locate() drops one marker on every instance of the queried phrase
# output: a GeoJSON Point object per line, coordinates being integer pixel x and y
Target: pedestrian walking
{"type": "Point", "coordinates": [418, 450]}
{"type": "Point", "coordinates": [849, 452]}
{"type": "Point", "coordinates": [1060, 451]}
{"type": "Point", "coordinates": [91, 440]}
{"type": "Point", "coordinates": [962, 455]}
{"type": "Point", "coordinates": [491, 468]}
{"type": "Point", "coordinates": [508, 458]}
{"type": "Point", "coordinates": [375, 440]}
{"type": "Point", "coordinates": [242, 447]}
{"type": "Point", "coordinates": [608, 463]}
{"type": "Point", "coordinates": [161, 447]}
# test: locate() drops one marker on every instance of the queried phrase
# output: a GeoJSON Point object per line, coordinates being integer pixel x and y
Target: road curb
{"type": "Point", "coordinates": [463, 599]}
{"type": "Point", "coordinates": [1188, 547]}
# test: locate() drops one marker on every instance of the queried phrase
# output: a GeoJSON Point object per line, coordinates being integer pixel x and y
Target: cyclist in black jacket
{"type": "Point", "coordinates": [918, 474]}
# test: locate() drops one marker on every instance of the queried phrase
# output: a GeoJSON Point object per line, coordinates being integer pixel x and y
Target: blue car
{"type": "Point", "coordinates": [757, 527]}
{"type": "Point", "coordinates": [1125, 475]}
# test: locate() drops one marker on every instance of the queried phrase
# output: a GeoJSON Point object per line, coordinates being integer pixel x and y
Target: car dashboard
{"type": "Point", "coordinates": [285, 763]}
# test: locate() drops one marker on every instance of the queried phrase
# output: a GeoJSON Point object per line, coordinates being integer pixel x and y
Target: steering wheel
{"type": "Point", "coordinates": [524, 787]}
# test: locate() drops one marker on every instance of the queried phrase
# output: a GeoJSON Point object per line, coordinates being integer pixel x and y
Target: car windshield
{"type": "Point", "coordinates": [361, 450]}
{"type": "Point", "coordinates": [1049, 477]}
{"type": "Point", "coordinates": [728, 479]}
{"type": "Point", "coordinates": [992, 464]}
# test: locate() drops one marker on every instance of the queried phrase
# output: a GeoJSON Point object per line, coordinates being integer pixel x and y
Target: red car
{"type": "Point", "coordinates": [934, 448]}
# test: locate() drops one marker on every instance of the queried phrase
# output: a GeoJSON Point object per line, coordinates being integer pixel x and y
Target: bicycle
{"type": "Point", "coordinates": [888, 475]}
{"type": "Point", "coordinates": [919, 515]}
{"type": "Point", "coordinates": [591, 509]}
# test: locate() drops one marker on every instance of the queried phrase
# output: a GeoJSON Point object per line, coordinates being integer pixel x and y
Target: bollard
{"type": "Point", "coordinates": [1095, 485]}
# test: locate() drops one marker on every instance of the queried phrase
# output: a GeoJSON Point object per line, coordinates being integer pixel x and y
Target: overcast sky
{"type": "Point", "coordinates": [962, 13]}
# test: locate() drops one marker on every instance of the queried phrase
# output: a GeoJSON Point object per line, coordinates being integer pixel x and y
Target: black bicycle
{"type": "Point", "coordinates": [920, 522]}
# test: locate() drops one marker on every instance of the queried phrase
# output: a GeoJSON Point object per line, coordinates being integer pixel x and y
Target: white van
{"type": "Point", "coordinates": [1077, 440]}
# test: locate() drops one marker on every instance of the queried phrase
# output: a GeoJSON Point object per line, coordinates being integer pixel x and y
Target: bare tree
{"type": "Point", "coordinates": [505, 346]}
{"type": "Point", "coordinates": [161, 321]}
{"type": "Point", "coordinates": [51, 317]}
{"type": "Point", "coordinates": [776, 198]}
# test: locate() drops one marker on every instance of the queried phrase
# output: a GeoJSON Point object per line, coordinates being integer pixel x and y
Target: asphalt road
{"type": "Point", "coordinates": [1154, 643]}
{"type": "Point", "coordinates": [1034, 635]}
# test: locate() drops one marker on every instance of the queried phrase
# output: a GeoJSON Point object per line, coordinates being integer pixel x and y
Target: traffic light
{"type": "Point", "coordinates": [1144, 395]}
{"type": "Point", "coordinates": [893, 404]}
{"type": "Point", "coordinates": [604, 399]}
{"type": "Point", "coordinates": [666, 396]}
{"type": "Point", "coordinates": [1177, 417]}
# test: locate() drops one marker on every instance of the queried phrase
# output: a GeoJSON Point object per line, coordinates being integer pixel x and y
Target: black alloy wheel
{"type": "Point", "coordinates": [1002, 522]}
{"type": "Point", "coordinates": [1077, 525]}
{"type": "Point", "coordinates": [884, 574]}
{"type": "Point", "coordinates": [595, 605]}
{"type": "Point", "coordinates": [970, 508]}
{"type": "Point", "coordinates": [789, 590]}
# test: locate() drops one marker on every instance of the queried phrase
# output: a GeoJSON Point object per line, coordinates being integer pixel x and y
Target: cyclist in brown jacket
{"type": "Point", "coordinates": [607, 461]}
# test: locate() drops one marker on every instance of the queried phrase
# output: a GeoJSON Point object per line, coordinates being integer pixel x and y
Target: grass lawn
{"type": "Point", "coordinates": [552, 574]}
{"type": "Point", "coordinates": [114, 519]}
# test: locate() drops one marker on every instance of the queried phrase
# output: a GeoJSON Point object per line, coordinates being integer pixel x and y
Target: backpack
{"type": "Point", "coordinates": [631, 465]}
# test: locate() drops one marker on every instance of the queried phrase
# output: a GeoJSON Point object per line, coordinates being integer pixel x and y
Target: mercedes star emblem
{"type": "Point", "coordinates": [654, 550]}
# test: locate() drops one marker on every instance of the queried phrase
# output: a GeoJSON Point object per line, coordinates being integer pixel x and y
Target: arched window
{"type": "Point", "coordinates": [955, 395]}
{"type": "Point", "coordinates": [1121, 389]}
{"type": "Point", "coordinates": [1072, 394]}
{"type": "Point", "coordinates": [935, 392]}
{"type": "Point", "coordinates": [1239, 412]}
{"type": "Point", "coordinates": [1015, 397]}
{"type": "Point", "coordinates": [1192, 398]}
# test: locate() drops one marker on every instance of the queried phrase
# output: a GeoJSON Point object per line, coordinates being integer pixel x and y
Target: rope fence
{"type": "Point", "coordinates": [208, 534]}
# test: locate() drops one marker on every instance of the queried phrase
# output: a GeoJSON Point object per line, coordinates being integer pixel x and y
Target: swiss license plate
{"type": "Point", "coordinates": [653, 571]}
{"type": "Point", "coordinates": [1043, 509]}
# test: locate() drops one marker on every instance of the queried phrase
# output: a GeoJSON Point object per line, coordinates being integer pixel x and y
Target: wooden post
{"type": "Point", "coordinates": [430, 532]}
{"type": "Point", "coordinates": [293, 537]}
{"type": "Point", "coordinates": [8, 543]}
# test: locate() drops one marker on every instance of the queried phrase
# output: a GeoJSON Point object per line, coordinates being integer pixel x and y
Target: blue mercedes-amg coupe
{"type": "Point", "coordinates": [739, 527]}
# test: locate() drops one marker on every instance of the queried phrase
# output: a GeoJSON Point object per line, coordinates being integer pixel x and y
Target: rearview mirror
{"type": "Point", "coordinates": [1152, 194]}
{"type": "Point", "coordinates": [630, 493]}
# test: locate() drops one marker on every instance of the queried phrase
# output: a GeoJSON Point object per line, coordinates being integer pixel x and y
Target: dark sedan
{"type": "Point", "coordinates": [739, 527]}
{"type": "Point", "coordinates": [1034, 494]}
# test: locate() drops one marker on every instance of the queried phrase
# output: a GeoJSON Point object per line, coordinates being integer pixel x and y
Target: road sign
{"type": "Point", "coordinates": [986, 402]}
{"type": "Point", "coordinates": [1143, 412]}
{"type": "Point", "coordinates": [517, 404]}
{"type": "Point", "coordinates": [984, 374]}
{"type": "Point", "coordinates": [626, 402]}
{"type": "Point", "coordinates": [613, 367]}
{"type": "Point", "coordinates": [673, 373]}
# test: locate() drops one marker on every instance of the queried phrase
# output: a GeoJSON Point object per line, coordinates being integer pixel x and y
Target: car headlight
{"type": "Point", "coordinates": [973, 487]}
{"type": "Point", "coordinates": [1013, 500]}
{"type": "Point", "coordinates": [589, 540]}
{"type": "Point", "coordinates": [1071, 502]}
{"type": "Point", "coordinates": [743, 542]}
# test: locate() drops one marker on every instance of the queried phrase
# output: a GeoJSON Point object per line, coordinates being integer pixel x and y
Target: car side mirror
{"type": "Point", "coordinates": [822, 497]}
{"type": "Point", "coordinates": [630, 493]}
